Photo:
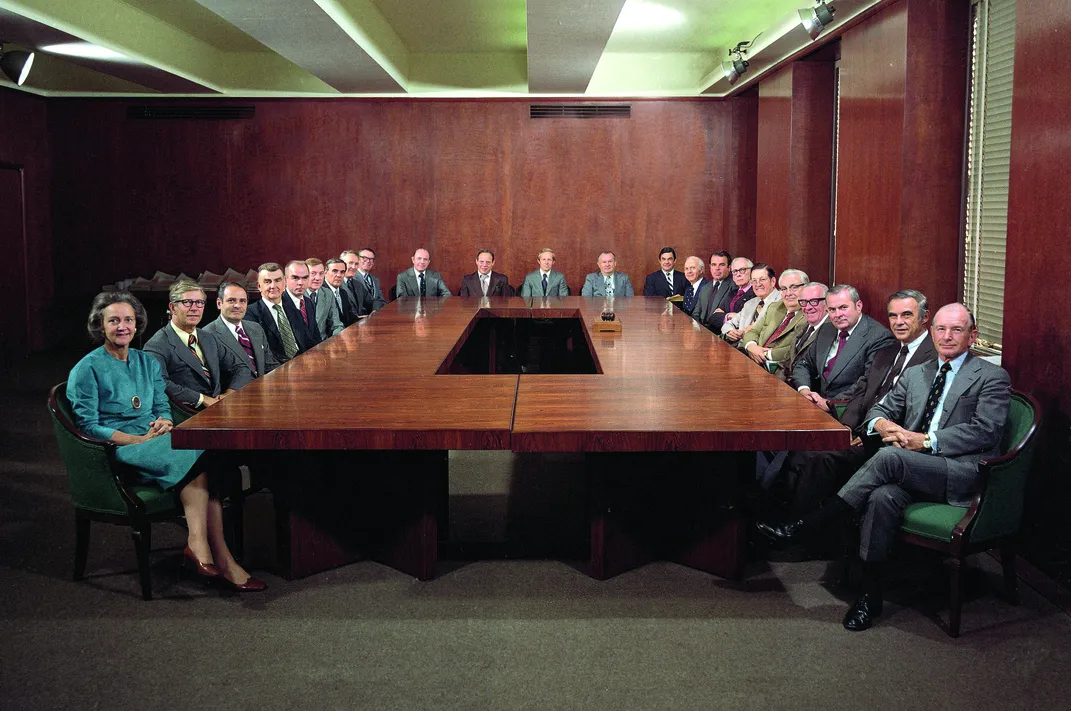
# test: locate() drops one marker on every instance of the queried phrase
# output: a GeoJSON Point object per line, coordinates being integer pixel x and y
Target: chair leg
{"type": "Point", "coordinates": [956, 569]}
{"type": "Point", "coordinates": [81, 544]}
{"type": "Point", "coordinates": [1011, 580]}
{"type": "Point", "coordinates": [142, 534]}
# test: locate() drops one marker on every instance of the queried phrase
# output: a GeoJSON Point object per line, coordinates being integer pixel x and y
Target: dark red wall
{"type": "Point", "coordinates": [899, 186]}
{"type": "Point", "coordinates": [310, 178]}
{"type": "Point", "coordinates": [1036, 338]}
{"type": "Point", "coordinates": [25, 238]}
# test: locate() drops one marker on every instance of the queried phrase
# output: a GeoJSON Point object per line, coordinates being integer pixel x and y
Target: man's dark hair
{"type": "Point", "coordinates": [669, 250]}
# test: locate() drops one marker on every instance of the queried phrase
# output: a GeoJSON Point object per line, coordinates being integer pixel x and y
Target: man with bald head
{"type": "Point", "coordinates": [693, 272]}
{"type": "Point", "coordinates": [936, 424]}
{"type": "Point", "coordinates": [420, 281]}
{"type": "Point", "coordinates": [607, 282]}
{"type": "Point", "coordinates": [287, 316]}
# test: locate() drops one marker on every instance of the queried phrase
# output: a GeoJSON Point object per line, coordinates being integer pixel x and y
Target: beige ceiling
{"type": "Point", "coordinates": [405, 47]}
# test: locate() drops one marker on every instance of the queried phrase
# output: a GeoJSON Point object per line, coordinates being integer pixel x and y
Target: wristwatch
{"type": "Point", "coordinates": [927, 445]}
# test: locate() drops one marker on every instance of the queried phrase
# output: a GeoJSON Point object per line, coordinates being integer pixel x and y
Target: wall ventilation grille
{"type": "Point", "coordinates": [210, 113]}
{"type": "Point", "coordinates": [579, 111]}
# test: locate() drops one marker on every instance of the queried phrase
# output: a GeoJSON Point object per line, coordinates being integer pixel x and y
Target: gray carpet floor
{"type": "Point", "coordinates": [486, 634]}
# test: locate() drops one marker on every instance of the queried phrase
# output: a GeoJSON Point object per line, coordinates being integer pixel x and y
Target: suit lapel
{"type": "Point", "coordinates": [916, 400]}
{"type": "Point", "coordinates": [853, 345]}
{"type": "Point", "coordinates": [185, 354]}
{"type": "Point", "coordinates": [966, 376]}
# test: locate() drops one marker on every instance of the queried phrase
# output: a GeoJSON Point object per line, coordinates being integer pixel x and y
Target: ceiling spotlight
{"type": "Point", "coordinates": [816, 18]}
{"type": "Point", "coordinates": [737, 63]}
{"type": "Point", "coordinates": [16, 64]}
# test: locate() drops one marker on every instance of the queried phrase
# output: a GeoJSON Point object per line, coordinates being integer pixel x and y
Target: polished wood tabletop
{"type": "Point", "coordinates": [663, 384]}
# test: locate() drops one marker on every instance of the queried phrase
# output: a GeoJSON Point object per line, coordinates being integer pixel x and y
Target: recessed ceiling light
{"type": "Point", "coordinates": [85, 50]}
{"type": "Point", "coordinates": [637, 15]}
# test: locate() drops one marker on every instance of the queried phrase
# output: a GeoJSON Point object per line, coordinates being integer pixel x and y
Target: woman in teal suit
{"type": "Point", "coordinates": [117, 394]}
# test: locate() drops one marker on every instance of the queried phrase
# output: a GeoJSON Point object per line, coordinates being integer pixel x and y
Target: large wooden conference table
{"type": "Point", "coordinates": [378, 408]}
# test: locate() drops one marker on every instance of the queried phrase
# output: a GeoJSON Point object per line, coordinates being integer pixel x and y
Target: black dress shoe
{"type": "Point", "coordinates": [862, 614]}
{"type": "Point", "coordinates": [781, 535]}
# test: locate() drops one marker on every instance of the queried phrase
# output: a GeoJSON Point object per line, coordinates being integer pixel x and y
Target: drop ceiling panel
{"type": "Point", "coordinates": [565, 42]}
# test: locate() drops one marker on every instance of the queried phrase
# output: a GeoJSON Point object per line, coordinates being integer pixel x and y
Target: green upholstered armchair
{"type": "Point", "coordinates": [993, 519]}
{"type": "Point", "coordinates": [103, 489]}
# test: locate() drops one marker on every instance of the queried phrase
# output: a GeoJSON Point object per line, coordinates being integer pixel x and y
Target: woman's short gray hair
{"type": "Point", "coordinates": [95, 323]}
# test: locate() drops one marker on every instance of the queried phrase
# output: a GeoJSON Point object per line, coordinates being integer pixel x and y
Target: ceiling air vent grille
{"type": "Point", "coordinates": [209, 113]}
{"type": "Point", "coordinates": [579, 111]}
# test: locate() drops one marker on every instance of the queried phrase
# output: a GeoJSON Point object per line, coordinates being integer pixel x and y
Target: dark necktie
{"type": "Point", "coordinates": [841, 340]}
{"type": "Point", "coordinates": [689, 298]}
{"type": "Point", "coordinates": [890, 377]}
{"type": "Point", "coordinates": [191, 341]}
{"type": "Point", "coordinates": [423, 285]}
{"type": "Point", "coordinates": [544, 285]}
{"type": "Point", "coordinates": [247, 346]}
{"type": "Point", "coordinates": [804, 336]}
{"type": "Point", "coordinates": [369, 285]}
{"type": "Point", "coordinates": [758, 311]}
{"type": "Point", "coordinates": [286, 334]}
{"type": "Point", "coordinates": [669, 278]}
{"type": "Point", "coordinates": [312, 295]}
{"type": "Point", "coordinates": [304, 313]}
{"type": "Point", "coordinates": [780, 329]}
{"type": "Point", "coordinates": [736, 300]}
{"type": "Point", "coordinates": [936, 391]}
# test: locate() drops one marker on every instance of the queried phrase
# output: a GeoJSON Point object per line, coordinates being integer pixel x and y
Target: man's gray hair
{"type": "Point", "coordinates": [918, 296]}
{"type": "Point", "coordinates": [823, 287]}
{"type": "Point", "coordinates": [851, 291]}
{"type": "Point", "coordinates": [800, 274]}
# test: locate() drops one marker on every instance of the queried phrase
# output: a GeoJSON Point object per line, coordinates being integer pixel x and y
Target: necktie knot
{"type": "Point", "coordinates": [843, 335]}
{"type": "Point", "coordinates": [191, 341]}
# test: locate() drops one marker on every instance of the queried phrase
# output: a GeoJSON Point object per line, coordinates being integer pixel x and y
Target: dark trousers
{"type": "Point", "coordinates": [810, 478]}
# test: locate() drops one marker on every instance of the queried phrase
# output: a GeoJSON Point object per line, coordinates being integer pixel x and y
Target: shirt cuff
{"type": "Point", "coordinates": [933, 443]}
{"type": "Point", "coordinates": [200, 399]}
{"type": "Point", "coordinates": [870, 426]}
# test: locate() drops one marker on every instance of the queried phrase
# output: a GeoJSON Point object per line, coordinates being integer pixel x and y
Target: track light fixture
{"type": "Point", "coordinates": [16, 64]}
{"type": "Point", "coordinates": [816, 18]}
{"type": "Point", "coordinates": [737, 63]}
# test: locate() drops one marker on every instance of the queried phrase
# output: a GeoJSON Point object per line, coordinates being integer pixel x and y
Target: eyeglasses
{"type": "Point", "coordinates": [791, 287]}
{"type": "Point", "coordinates": [366, 259]}
{"type": "Point", "coordinates": [741, 270]}
{"type": "Point", "coordinates": [762, 280]}
{"type": "Point", "coordinates": [814, 303]}
{"type": "Point", "coordinates": [199, 303]}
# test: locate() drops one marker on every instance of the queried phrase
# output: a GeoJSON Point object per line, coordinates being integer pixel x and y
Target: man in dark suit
{"type": "Point", "coordinates": [245, 338]}
{"type": "Point", "coordinates": [842, 351]}
{"type": "Point", "coordinates": [197, 370]}
{"type": "Point", "coordinates": [328, 317]}
{"type": "Point", "coordinates": [667, 281]}
{"type": "Point", "coordinates": [334, 287]}
{"type": "Point", "coordinates": [731, 297]}
{"type": "Point", "coordinates": [484, 281]}
{"type": "Point", "coordinates": [364, 288]}
{"type": "Point", "coordinates": [808, 477]}
{"type": "Point", "coordinates": [420, 281]}
{"type": "Point", "coordinates": [284, 312]}
{"type": "Point", "coordinates": [938, 422]}
{"type": "Point", "coordinates": [693, 272]}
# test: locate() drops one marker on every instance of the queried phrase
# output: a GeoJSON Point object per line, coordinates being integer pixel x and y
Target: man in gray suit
{"type": "Point", "coordinates": [938, 422]}
{"type": "Point", "coordinates": [197, 371]}
{"type": "Point", "coordinates": [419, 280]}
{"type": "Point", "coordinates": [364, 288]}
{"type": "Point", "coordinates": [244, 338]}
{"type": "Point", "coordinates": [843, 350]}
{"type": "Point", "coordinates": [544, 281]}
{"type": "Point", "coordinates": [607, 282]}
{"type": "Point", "coordinates": [328, 318]}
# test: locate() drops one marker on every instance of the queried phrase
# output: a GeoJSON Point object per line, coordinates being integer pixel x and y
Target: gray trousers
{"type": "Point", "coordinates": [883, 488]}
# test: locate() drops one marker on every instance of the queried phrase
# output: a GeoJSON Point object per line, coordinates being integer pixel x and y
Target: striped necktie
{"type": "Point", "coordinates": [290, 347]}
{"type": "Point", "coordinates": [191, 342]}
{"type": "Point", "coordinates": [936, 392]}
{"type": "Point", "coordinates": [247, 346]}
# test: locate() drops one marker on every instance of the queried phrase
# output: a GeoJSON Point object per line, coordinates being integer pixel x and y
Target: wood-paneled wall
{"type": "Point", "coordinates": [1036, 340]}
{"type": "Point", "coordinates": [25, 238]}
{"type": "Point", "coordinates": [310, 178]}
{"type": "Point", "coordinates": [899, 187]}
{"type": "Point", "coordinates": [795, 165]}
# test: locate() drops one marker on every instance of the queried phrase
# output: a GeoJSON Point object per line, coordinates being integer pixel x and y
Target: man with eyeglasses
{"type": "Point", "coordinates": [245, 338]}
{"type": "Point", "coordinates": [328, 317]}
{"type": "Point", "coordinates": [936, 424]}
{"type": "Point", "coordinates": [812, 300]}
{"type": "Point", "coordinates": [198, 371]}
{"type": "Point", "coordinates": [283, 311]}
{"type": "Point", "coordinates": [364, 288]}
{"type": "Point", "coordinates": [771, 340]}
{"type": "Point", "coordinates": [764, 290]}
{"type": "Point", "coordinates": [734, 297]}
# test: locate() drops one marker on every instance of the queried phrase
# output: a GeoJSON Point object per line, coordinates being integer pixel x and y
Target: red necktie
{"type": "Point", "coordinates": [841, 340]}
{"type": "Point", "coordinates": [304, 314]}
{"type": "Point", "coordinates": [780, 329]}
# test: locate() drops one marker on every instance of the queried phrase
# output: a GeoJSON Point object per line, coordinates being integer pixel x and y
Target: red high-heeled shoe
{"type": "Point", "coordinates": [207, 570]}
